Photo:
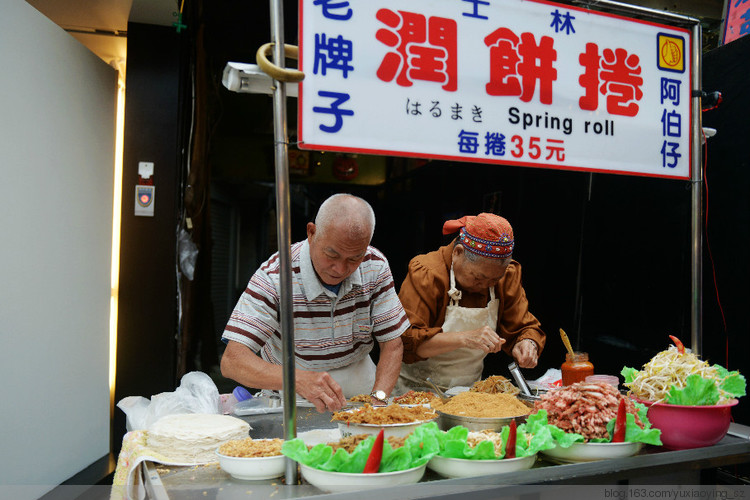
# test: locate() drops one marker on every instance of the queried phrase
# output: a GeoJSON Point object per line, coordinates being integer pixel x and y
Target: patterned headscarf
{"type": "Point", "coordinates": [488, 235]}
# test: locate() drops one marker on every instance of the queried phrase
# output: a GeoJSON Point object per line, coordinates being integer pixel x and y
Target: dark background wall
{"type": "Point", "coordinates": [147, 317]}
{"type": "Point", "coordinates": [726, 330]}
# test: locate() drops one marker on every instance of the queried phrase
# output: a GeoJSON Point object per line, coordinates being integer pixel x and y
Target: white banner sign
{"type": "Point", "coordinates": [518, 82]}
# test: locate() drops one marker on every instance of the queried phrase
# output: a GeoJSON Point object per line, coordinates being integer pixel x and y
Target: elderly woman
{"type": "Point", "coordinates": [464, 301]}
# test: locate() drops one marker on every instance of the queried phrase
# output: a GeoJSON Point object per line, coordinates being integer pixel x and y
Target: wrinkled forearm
{"type": "Point", "coordinates": [242, 365]}
{"type": "Point", "coordinates": [389, 365]}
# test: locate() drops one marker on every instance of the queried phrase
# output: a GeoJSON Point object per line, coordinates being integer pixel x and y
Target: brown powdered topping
{"type": "Point", "coordinates": [483, 405]}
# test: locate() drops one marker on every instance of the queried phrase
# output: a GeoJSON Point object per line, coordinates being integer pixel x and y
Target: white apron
{"type": "Point", "coordinates": [460, 367]}
{"type": "Point", "coordinates": [356, 378]}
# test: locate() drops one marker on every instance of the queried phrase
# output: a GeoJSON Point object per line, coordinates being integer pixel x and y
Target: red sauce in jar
{"type": "Point", "coordinates": [576, 368]}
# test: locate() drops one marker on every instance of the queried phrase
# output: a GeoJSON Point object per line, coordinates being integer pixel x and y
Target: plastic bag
{"type": "Point", "coordinates": [188, 253]}
{"type": "Point", "coordinates": [197, 393]}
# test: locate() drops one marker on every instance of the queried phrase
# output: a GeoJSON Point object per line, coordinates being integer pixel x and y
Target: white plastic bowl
{"type": "Point", "coordinates": [252, 469]}
{"type": "Point", "coordinates": [336, 482]}
{"type": "Point", "coordinates": [390, 430]}
{"type": "Point", "coordinates": [461, 467]}
{"type": "Point", "coordinates": [589, 452]}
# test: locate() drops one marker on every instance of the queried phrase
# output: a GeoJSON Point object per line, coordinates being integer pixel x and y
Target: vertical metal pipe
{"type": "Point", "coordinates": [283, 228]}
{"type": "Point", "coordinates": [696, 177]}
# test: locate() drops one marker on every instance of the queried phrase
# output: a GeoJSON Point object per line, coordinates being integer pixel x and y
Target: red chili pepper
{"type": "Point", "coordinates": [376, 454]}
{"type": "Point", "coordinates": [678, 344]}
{"type": "Point", "coordinates": [510, 446]}
{"type": "Point", "coordinates": [619, 432]}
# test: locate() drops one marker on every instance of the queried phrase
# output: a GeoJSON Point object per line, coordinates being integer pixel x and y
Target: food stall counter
{"type": "Point", "coordinates": [653, 465]}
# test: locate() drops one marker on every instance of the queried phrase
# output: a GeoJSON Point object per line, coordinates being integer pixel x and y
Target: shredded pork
{"type": "Point", "coordinates": [584, 408]}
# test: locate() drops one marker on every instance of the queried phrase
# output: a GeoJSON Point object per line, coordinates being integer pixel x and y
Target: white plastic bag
{"type": "Point", "coordinates": [197, 393]}
{"type": "Point", "coordinates": [188, 253]}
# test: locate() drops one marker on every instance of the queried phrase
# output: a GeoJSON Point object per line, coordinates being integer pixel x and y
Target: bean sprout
{"type": "Point", "coordinates": [670, 369]}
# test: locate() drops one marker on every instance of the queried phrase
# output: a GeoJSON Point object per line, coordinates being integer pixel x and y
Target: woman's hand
{"type": "Point", "coordinates": [526, 353]}
{"type": "Point", "coordinates": [485, 339]}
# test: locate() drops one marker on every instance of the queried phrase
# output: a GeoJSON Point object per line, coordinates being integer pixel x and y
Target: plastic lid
{"type": "Point", "coordinates": [613, 380]}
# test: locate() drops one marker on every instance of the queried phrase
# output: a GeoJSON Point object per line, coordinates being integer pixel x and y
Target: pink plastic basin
{"type": "Point", "coordinates": [684, 427]}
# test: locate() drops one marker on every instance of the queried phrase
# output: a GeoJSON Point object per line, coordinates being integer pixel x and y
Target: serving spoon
{"type": "Point", "coordinates": [438, 391]}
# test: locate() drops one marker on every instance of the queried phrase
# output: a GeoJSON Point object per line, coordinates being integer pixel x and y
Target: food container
{"type": "Point", "coordinates": [589, 452]}
{"type": "Point", "coordinates": [576, 368]}
{"type": "Point", "coordinates": [336, 482]}
{"type": "Point", "coordinates": [612, 380]}
{"type": "Point", "coordinates": [389, 430]}
{"type": "Point", "coordinates": [462, 467]}
{"type": "Point", "coordinates": [685, 427]}
{"type": "Point", "coordinates": [398, 429]}
{"type": "Point", "coordinates": [252, 469]}
{"type": "Point", "coordinates": [446, 421]}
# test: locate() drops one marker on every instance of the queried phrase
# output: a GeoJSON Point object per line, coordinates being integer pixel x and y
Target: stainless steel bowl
{"type": "Point", "coordinates": [446, 421]}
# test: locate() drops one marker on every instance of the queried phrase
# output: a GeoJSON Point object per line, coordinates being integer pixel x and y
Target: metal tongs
{"type": "Point", "coordinates": [520, 380]}
{"type": "Point", "coordinates": [438, 391]}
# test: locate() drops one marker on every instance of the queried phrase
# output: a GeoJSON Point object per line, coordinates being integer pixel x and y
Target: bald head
{"type": "Point", "coordinates": [351, 214]}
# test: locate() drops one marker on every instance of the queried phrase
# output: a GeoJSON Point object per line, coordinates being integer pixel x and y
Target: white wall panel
{"type": "Point", "coordinates": [57, 104]}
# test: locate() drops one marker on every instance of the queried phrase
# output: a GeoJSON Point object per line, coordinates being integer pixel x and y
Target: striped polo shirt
{"type": "Point", "coordinates": [330, 330]}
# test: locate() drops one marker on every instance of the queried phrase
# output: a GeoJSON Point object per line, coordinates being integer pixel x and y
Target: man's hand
{"type": "Point", "coordinates": [526, 353]}
{"type": "Point", "coordinates": [320, 389]}
{"type": "Point", "coordinates": [484, 339]}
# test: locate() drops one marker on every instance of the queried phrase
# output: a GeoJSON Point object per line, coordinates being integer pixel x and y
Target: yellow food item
{"type": "Point", "coordinates": [480, 404]}
{"type": "Point", "coordinates": [495, 384]}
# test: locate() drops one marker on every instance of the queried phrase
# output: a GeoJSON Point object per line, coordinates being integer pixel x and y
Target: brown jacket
{"type": "Point", "coordinates": [424, 295]}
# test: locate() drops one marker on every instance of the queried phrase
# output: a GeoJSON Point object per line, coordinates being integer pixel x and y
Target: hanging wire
{"type": "Point", "coordinates": [708, 247]}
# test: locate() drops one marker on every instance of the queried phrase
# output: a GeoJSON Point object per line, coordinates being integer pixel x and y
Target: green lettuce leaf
{"type": "Point", "coordinates": [419, 447]}
{"type": "Point", "coordinates": [629, 374]}
{"type": "Point", "coordinates": [731, 382]}
{"type": "Point", "coordinates": [633, 432]}
{"type": "Point", "coordinates": [698, 391]}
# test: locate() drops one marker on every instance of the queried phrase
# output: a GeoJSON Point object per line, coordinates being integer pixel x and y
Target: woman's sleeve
{"type": "Point", "coordinates": [422, 294]}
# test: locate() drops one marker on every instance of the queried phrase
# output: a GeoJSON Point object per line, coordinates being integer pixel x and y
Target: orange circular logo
{"type": "Point", "coordinates": [671, 53]}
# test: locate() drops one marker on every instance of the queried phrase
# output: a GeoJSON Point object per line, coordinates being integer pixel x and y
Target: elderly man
{"type": "Point", "coordinates": [344, 299]}
{"type": "Point", "coordinates": [464, 301]}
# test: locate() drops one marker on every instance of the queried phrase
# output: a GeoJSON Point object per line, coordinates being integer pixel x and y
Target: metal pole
{"type": "Point", "coordinates": [636, 11]}
{"type": "Point", "coordinates": [283, 228]}
{"type": "Point", "coordinates": [696, 177]}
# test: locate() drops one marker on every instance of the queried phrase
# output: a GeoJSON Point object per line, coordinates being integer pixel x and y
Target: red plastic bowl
{"type": "Point", "coordinates": [684, 427]}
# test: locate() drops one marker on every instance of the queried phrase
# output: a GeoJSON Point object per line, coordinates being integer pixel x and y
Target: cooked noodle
{"type": "Point", "coordinates": [495, 384]}
{"type": "Point", "coordinates": [415, 398]}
